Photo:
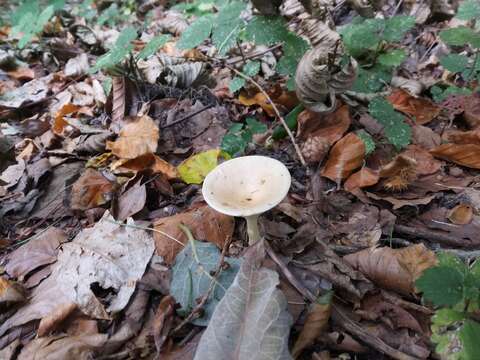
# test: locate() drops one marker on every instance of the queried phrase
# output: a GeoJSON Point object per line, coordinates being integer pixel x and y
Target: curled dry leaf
{"type": "Point", "coordinates": [399, 173]}
{"type": "Point", "coordinates": [59, 122]}
{"type": "Point", "coordinates": [461, 214]}
{"type": "Point", "coordinates": [150, 162]}
{"type": "Point", "coordinates": [365, 177]}
{"type": "Point", "coordinates": [422, 110]}
{"type": "Point", "coordinates": [251, 321]}
{"type": "Point", "coordinates": [393, 269]}
{"type": "Point", "coordinates": [462, 154]}
{"type": "Point", "coordinates": [91, 190]}
{"type": "Point", "coordinates": [345, 157]}
{"type": "Point", "coordinates": [315, 325]}
{"type": "Point", "coordinates": [205, 224]}
{"type": "Point", "coordinates": [136, 138]}
{"type": "Point", "coordinates": [258, 99]}
{"type": "Point", "coordinates": [426, 163]}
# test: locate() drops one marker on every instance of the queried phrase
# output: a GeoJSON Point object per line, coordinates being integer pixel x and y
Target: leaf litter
{"type": "Point", "coordinates": [107, 137]}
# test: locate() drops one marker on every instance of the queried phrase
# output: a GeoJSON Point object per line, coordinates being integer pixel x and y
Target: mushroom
{"type": "Point", "coordinates": [247, 187]}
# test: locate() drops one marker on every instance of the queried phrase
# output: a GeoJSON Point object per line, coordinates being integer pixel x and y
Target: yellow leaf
{"type": "Point", "coordinates": [196, 167]}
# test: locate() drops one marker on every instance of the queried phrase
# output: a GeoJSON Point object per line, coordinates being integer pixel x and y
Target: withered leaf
{"type": "Point", "coordinates": [205, 224]}
{"type": "Point", "coordinates": [118, 99]}
{"type": "Point", "coordinates": [131, 201]}
{"type": "Point", "coordinates": [426, 163]}
{"type": "Point", "coordinates": [472, 110]}
{"type": "Point", "coordinates": [462, 154]}
{"type": "Point", "coordinates": [365, 177]}
{"type": "Point", "coordinates": [10, 292]}
{"type": "Point", "coordinates": [422, 110]}
{"type": "Point", "coordinates": [345, 157]}
{"type": "Point", "coordinates": [330, 127]}
{"type": "Point", "coordinates": [136, 138]}
{"type": "Point", "coordinates": [59, 122]}
{"type": "Point", "coordinates": [91, 190]}
{"type": "Point", "coordinates": [393, 269]}
{"type": "Point", "coordinates": [461, 214]}
{"type": "Point", "coordinates": [149, 162]}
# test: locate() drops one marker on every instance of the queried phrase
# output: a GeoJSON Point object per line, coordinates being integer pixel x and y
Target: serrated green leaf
{"type": "Point", "coordinates": [359, 38]}
{"type": "Point", "coordinates": [449, 260]}
{"type": "Point", "coordinates": [230, 11]}
{"type": "Point", "coordinates": [396, 130]}
{"type": "Point", "coordinates": [251, 68]}
{"type": "Point", "coordinates": [468, 10]}
{"type": "Point", "coordinates": [266, 30]}
{"type": "Point", "coordinates": [460, 36]}
{"type": "Point", "coordinates": [153, 45]}
{"type": "Point", "coordinates": [469, 336]}
{"type": "Point", "coordinates": [191, 278]}
{"type": "Point", "coordinates": [367, 140]}
{"type": "Point", "coordinates": [446, 317]}
{"type": "Point", "coordinates": [236, 84]}
{"type": "Point", "coordinates": [255, 126]}
{"type": "Point", "coordinates": [196, 33]}
{"type": "Point", "coordinates": [396, 27]}
{"type": "Point", "coordinates": [371, 80]}
{"type": "Point", "coordinates": [439, 94]}
{"type": "Point", "coordinates": [294, 47]}
{"type": "Point", "coordinates": [123, 46]}
{"type": "Point", "coordinates": [442, 285]}
{"type": "Point", "coordinates": [225, 36]}
{"type": "Point", "coordinates": [392, 58]}
{"type": "Point", "coordinates": [233, 144]}
{"type": "Point", "coordinates": [454, 62]}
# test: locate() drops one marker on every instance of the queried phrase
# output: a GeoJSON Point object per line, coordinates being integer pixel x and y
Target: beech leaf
{"type": "Point", "coordinates": [251, 322]}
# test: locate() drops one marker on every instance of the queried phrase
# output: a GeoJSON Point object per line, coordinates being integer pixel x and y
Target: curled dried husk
{"type": "Point", "coordinates": [319, 79]}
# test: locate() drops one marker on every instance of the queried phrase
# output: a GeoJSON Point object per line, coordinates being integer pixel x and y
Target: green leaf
{"type": "Point", "coordinates": [153, 45]}
{"type": "Point", "coordinates": [266, 30]}
{"type": "Point", "coordinates": [196, 167]}
{"type": "Point", "coordinates": [442, 285]}
{"type": "Point", "coordinates": [454, 62]}
{"type": "Point", "coordinates": [109, 15]}
{"type": "Point", "coordinates": [236, 84]}
{"type": "Point", "coordinates": [233, 144]}
{"type": "Point", "coordinates": [251, 68]}
{"type": "Point", "coordinates": [294, 48]}
{"type": "Point", "coordinates": [255, 126]}
{"type": "Point", "coordinates": [372, 80]}
{"type": "Point", "coordinates": [230, 12]}
{"type": "Point", "coordinates": [469, 10]}
{"type": "Point", "coordinates": [460, 36]}
{"type": "Point", "coordinates": [123, 46]}
{"type": "Point", "coordinates": [396, 130]}
{"type": "Point", "coordinates": [439, 94]}
{"type": "Point", "coordinates": [393, 58]}
{"type": "Point", "coordinates": [225, 36]}
{"type": "Point", "coordinates": [358, 38]}
{"type": "Point", "coordinates": [191, 278]}
{"type": "Point", "coordinates": [32, 23]}
{"type": "Point", "coordinates": [470, 335]}
{"type": "Point", "coordinates": [396, 27]}
{"type": "Point", "coordinates": [367, 140]}
{"type": "Point", "coordinates": [196, 33]}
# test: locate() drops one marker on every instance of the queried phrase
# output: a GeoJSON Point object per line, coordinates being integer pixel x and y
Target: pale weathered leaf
{"type": "Point", "coordinates": [77, 66]}
{"type": "Point", "coordinates": [251, 322]}
{"type": "Point", "coordinates": [109, 255]}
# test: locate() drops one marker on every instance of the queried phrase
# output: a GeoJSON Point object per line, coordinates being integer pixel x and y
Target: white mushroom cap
{"type": "Point", "coordinates": [246, 186]}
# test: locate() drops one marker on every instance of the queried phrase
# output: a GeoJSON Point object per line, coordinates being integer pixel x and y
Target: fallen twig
{"type": "Point", "coordinates": [432, 236]}
{"type": "Point", "coordinates": [186, 117]}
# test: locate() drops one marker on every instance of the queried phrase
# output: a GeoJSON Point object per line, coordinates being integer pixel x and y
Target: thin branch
{"type": "Point", "coordinates": [275, 109]}
{"type": "Point", "coordinates": [186, 117]}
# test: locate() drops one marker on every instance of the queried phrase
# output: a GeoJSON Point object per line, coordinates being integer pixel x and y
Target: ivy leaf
{"type": "Point", "coordinates": [392, 58]}
{"type": "Point", "coordinates": [151, 48]}
{"type": "Point", "coordinates": [263, 30]}
{"type": "Point", "coordinates": [255, 126]}
{"type": "Point", "coordinates": [396, 130]}
{"type": "Point", "coordinates": [396, 27]}
{"type": "Point", "coordinates": [460, 36]}
{"type": "Point", "coordinates": [191, 278]}
{"type": "Point", "coordinates": [123, 46]}
{"type": "Point", "coordinates": [251, 68]}
{"type": "Point", "coordinates": [236, 84]}
{"type": "Point", "coordinates": [368, 141]}
{"type": "Point", "coordinates": [196, 33]}
{"type": "Point", "coordinates": [454, 62]}
{"type": "Point", "coordinates": [442, 285]}
{"type": "Point", "coordinates": [469, 335]}
{"type": "Point", "coordinates": [468, 10]}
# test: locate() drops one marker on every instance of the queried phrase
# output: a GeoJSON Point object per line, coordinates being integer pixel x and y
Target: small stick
{"type": "Point", "coordinates": [186, 117]}
{"type": "Point", "coordinates": [275, 109]}
{"type": "Point", "coordinates": [252, 55]}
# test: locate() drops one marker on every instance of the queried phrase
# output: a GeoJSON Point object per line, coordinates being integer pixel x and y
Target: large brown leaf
{"type": "Point", "coordinates": [365, 177]}
{"type": "Point", "coordinates": [205, 224]}
{"type": "Point", "coordinates": [463, 154]}
{"type": "Point", "coordinates": [91, 190]}
{"type": "Point", "coordinates": [330, 127]}
{"type": "Point", "coordinates": [345, 157]}
{"type": "Point", "coordinates": [422, 110]}
{"type": "Point", "coordinates": [136, 138]}
{"type": "Point", "coordinates": [394, 269]}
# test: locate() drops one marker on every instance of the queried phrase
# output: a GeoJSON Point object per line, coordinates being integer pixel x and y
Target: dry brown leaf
{"type": "Point", "coordinates": [150, 162]}
{"type": "Point", "coordinates": [131, 201]}
{"type": "Point", "coordinates": [10, 292]}
{"type": "Point", "coordinates": [463, 137]}
{"type": "Point", "coordinates": [59, 122]}
{"type": "Point", "coordinates": [315, 325]}
{"type": "Point", "coordinates": [426, 163]}
{"type": "Point", "coordinates": [50, 322]}
{"type": "Point", "coordinates": [205, 224]}
{"type": "Point", "coordinates": [461, 214]}
{"type": "Point", "coordinates": [425, 137]}
{"type": "Point", "coordinates": [365, 177]}
{"type": "Point", "coordinates": [163, 321]}
{"type": "Point", "coordinates": [399, 173]}
{"type": "Point", "coordinates": [22, 74]}
{"type": "Point", "coordinates": [118, 99]}
{"type": "Point", "coordinates": [399, 203]}
{"type": "Point", "coordinates": [393, 269]}
{"type": "Point", "coordinates": [422, 110]}
{"type": "Point", "coordinates": [472, 110]}
{"type": "Point", "coordinates": [331, 127]}
{"type": "Point", "coordinates": [91, 190]}
{"type": "Point", "coordinates": [462, 154]}
{"type": "Point", "coordinates": [258, 99]}
{"type": "Point", "coordinates": [345, 157]}
{"type": "Point", "coordinates": [136, 138]}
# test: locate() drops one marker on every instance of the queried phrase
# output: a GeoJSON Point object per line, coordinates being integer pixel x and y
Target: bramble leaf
{"type": "Point", "coordinates": [266, 30]}
{"type": "Point", "coordinates": [396, 27]}
{"type": "Point", "coordinates": [251, 68]}
{"type": "Point", "coordinates": [236, 84]}
{"type": "Point", "coordinates": [468, 10]}
{"type": "Point", "coordinates": [442, 285]}
{"type": "Point", "coordinates": [153, 45]}
{"type": "Point", "coordinates": [454, 62]}
{"type": "Point", "coordinates": [460, 36]}
{"type": "Point", "coordinates": [367, 140]}
{"type": "Point", "coordinates": [255, 126]}
{"type": "Point", "coordinates": [196, 33]}
{"type": "Point", "coordinates": [392, 58]}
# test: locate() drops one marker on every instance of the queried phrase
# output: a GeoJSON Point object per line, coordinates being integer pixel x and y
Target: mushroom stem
{"type": "Point", "coordinates": [252, 229]}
